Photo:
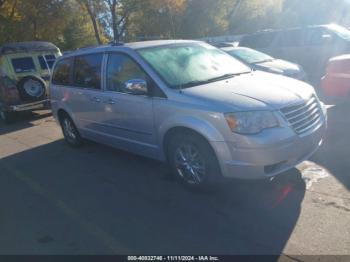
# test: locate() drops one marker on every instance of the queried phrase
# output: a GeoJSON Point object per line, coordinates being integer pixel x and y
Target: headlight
{"type": "Point", "coordinates": [251, 122]}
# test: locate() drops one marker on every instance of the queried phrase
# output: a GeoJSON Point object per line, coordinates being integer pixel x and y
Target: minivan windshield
{"type": "Point", "coordinates": [191, 64]}
{"type": "Point", "coordinates": [249, 56]}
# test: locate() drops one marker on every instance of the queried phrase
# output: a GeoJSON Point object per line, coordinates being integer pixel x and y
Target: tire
{"type": "Point", "coordinates": [70, 132]}
{"type": "Point", "coordinates": [197, 170]}
{"type": "Point", "coordinates": [31, 89]}
{"type": "Point", "coordinates": [6, 117]}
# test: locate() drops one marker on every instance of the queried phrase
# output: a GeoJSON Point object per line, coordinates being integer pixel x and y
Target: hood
{"type": "Point", "coordinates": [278, 65]}
{"type": "Point", "coordinates": [253, 91]}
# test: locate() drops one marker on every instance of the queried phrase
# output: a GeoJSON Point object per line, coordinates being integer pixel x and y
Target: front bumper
{"type": "Point", "coordinates": [268, 160]}
{"type": "Point", "coordinates": [29, 106]}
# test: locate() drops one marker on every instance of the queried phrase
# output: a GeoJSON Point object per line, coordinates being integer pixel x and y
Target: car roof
{"type": "Point", "coordinates": [131, 45]}
{"type": "Point", "coordinates": [340, 58]}
{"type": "Point", "coordinates": [20, 47]}
{"type": "Point", "coordinates": [267, 31]}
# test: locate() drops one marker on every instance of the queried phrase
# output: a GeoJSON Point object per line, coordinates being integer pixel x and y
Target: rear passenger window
{"type": "Point", "coordinates": [292, 38]}
{"type": "Point", "coordinates": [50, 60]}
{"type": "Point", "coordinates": [248, 41]}
{"type": "Point", "coordinates": [87, 71]}
{"type": "Point", "coordinates": [315, 37]}
{"type": "Point", "coordinates": [258, 41]}
{"type": "Point", "coordinates": [25, 64]}
{"type": "Point", "coordinates": [42, 62]}
{"type": "Point", "coordinates": [61, 74]}
{"type": "Point", "coordinates": [46, 62]}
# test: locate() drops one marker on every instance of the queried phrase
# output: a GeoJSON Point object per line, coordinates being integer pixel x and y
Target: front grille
{"type": "Point", "coordinates": [305, 116]}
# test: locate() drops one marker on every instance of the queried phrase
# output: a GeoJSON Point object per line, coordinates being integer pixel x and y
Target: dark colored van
{"type": "Point", "coordinates": [311, 46]}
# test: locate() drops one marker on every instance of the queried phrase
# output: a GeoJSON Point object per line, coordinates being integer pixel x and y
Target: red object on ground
{"type": "Point", "coordinates": [336, 82]}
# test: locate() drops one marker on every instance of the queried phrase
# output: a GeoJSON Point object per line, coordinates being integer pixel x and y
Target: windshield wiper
{"type": "Point", "coordinates": [214, 79]}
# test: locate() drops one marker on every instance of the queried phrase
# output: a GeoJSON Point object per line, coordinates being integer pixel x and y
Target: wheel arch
{"type": "Point", "coordinates": [190, 125]}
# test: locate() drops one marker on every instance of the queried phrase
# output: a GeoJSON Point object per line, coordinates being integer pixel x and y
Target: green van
{"type": "Point", "coordinates": [25, 71]}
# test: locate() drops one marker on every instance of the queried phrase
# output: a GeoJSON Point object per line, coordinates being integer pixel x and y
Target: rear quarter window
{"type": "Point", "coordinates": [292, 38]}
{"type": "Point", "coordinates": [47, 61]}
{"type": "Point", "coordinates": [62, 72]}
{"type": "Point", "coordinates": [258, 41]}
{"type": "Point", "coordinates": [23, 64]}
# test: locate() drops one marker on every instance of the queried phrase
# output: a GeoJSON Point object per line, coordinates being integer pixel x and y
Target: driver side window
{"type": "Point", "coordinates": [316, 37]}
{"type": "Point", "coordinates": [120, 69]}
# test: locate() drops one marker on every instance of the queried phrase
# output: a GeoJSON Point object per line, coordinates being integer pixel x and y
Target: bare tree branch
{"type": "Point", "coordinates": [90, 9]}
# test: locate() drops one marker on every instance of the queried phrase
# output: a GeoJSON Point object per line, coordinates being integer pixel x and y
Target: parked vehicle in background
{"type": "Point", "coordinates": [188, 103]}
{"type": "Point", "coordinates": [25, 70]}
{"type": "Point", "coordinates": [223, 44]}
{"type": "Point", "coordinates": [336, 82]}
{"type": "Point", "coordinates": [263, 62]}
{"type": "Point", "coordinates": [311, 47]}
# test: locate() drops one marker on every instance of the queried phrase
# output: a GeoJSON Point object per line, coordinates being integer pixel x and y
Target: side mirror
{"type": "Point", "coordinates": [136, 87]}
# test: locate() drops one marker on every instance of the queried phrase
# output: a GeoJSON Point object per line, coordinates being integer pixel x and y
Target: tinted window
{"type": "Point", "coordinates": [61, 74]}
{"type": "Point", "coordinates": [259, 40]}
{"type": "Point", "coordinates": [46, 61]}
{"type": "Point", "coordinates": [42, 62]}
{"type": "Point", "coordinates": [87, 71]}
{"type": "Point", "coordinates": [120, 69]}
{"type": "Point", "coordinates": [25, 64]}
{"type": "Point", "coordinates": [292, 38]}
{"type": "Point", "coordinates": [50, 60]}
{"type": "Point", "coordinates": [248, 41]}
{"type": "Point", "coordinates": [316, 36]}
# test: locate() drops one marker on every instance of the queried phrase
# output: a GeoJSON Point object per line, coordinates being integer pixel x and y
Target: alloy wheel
{"type": "Point", "coordinates": [69, 129]}
{"type": "Point", "coordinates": [189, 164]}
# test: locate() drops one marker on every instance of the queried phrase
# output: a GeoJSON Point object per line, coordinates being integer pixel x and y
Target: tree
{"type": "Point", "coordinates": [299, 13]}
{"type": "Point", "coordinates": [207, 17]}
{"type": "Point", "coordinates": [77, 31]}
{"type": "Point", "coordinates": [254, 15]}
{"type": "Point", "coordinates": [57, 21]}
{"type": "Point", "coordinates": [117, 17]}
{"type": "Point", "coordinates": [74, 23]}
{"type": "Point", "coordinates": [157, 19]}
{"type": "Point", "coordinates": [93, 8]}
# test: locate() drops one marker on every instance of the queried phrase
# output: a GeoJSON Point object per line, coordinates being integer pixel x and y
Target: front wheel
{"type": "Point", "coordinates": [70, 132]}
{"type": "Point", "coordinates": [193, 161]}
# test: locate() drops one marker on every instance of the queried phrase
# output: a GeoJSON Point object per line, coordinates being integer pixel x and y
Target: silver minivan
{"type": "Point", "coordinates": [190, 104]}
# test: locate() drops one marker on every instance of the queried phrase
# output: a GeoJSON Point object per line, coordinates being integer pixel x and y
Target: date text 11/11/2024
{"type": "Point", "coordinates": [173, 258]}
